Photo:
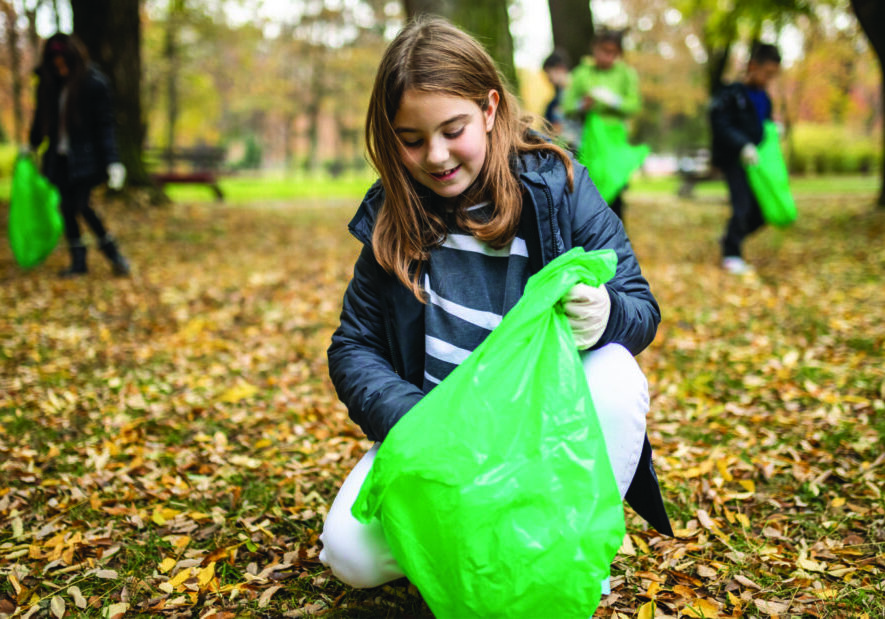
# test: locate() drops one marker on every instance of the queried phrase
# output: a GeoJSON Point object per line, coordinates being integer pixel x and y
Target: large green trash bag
{"type": "Point", "coordinates": [35, 223]}
{"type": "Point", "coordinates": [608, 155]}
{"type": "Point", "coordinates": [495, 492]}
{"type": "Point", "coordinates": [770, 180]}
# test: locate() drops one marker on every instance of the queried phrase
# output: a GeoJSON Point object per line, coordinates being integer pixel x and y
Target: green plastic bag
{"type": "Point", "coordinates": [770, 180]}
{"type": "Point", "coordinates": [608, 155]}
{"type": "Point", "coordinates": [495, 492]}
{"type": "Point", "coordinates": [35, 223]}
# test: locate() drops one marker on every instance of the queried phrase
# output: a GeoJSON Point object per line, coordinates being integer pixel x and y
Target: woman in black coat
{"type": "Point", "coordinates": [74, 111]}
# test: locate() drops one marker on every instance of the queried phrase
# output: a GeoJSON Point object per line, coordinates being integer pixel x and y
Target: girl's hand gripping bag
{"type": "Point", "coordinates": [35, 223]}
{"type": "Point", "coordinates": [770, 180]}
{"type": "Point", "coordinates": [495, 491]}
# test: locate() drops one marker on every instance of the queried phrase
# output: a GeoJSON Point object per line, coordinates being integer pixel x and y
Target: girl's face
{"type": "Point", "coordinates": [443, 139]}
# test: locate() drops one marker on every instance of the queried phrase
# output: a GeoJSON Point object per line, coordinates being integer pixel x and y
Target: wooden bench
{"type": "Point", "coordinates": [196, 164]}
{"type": "Point", "coordinates": [695, 167]}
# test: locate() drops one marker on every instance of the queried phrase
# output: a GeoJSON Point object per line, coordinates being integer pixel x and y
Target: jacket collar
{"type": "Point", "coordinates": [540, 172]}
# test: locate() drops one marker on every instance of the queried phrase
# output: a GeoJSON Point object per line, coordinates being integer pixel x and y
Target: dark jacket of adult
{"type": "Point", "coordinates": [376, 359]}
{"type": "Point", "coordinates": [734, 123]}
{"type": "Point", "coordinates": [91, 134]}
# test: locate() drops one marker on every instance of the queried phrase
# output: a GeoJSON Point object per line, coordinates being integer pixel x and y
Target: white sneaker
{"type": "Point", "coordinates": [736, 265]}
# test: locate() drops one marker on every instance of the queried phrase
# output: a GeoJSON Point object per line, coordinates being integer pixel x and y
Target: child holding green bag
{"type": "Point", "coordinates": [470, 203]}
{"type": "Point", "coordinates": [737, 114]}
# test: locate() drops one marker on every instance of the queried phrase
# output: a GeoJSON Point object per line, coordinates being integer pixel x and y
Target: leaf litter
{"type": "Point", "coordinates": [170, 443]}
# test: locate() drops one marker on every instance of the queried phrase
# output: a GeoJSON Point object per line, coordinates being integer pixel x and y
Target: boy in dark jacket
{"type": "Point", "coordinates": [736, 115]}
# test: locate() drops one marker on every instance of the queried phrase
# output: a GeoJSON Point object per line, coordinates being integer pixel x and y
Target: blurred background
{"type": "Point", "coordinates": [279, 87]}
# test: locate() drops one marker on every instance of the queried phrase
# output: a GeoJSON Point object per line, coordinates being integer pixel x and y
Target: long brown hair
{"type": "Point", "coordinates": [431, 55]}
{"type": "Point", "coordinates": [76, 58]}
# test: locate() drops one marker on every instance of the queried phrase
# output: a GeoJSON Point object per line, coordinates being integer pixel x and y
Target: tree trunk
{"type": "Point", "coordinates": [111, 31]}
{"type": "Point", "coordinates": [572, 22]}
{"type": "Point", "coordinates": [14, 51]}
{"type": "Point", "coordinates": [488, 21]}
{"type": "Point", "coordinates": [871, 16]}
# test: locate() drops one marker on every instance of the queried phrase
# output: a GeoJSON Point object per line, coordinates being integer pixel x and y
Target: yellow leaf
{"type": "Point", "coordinates": [702, 608]}
{"type": "Point", "coordinates": [647, 611]}
{"type": "Point", "coordinates": [179, 579]}
{"type": "Point", "coordinates": [641, 543]}
{"type": "Point", "coordinates": [838, 501]}
{"type": "Point", "coordinates": [167, 564]}
{"type": "Point", "coordinates": [206, 575]}
{"type": "Point", "coordinates": [810, 565]}
{"type": "Point", "coordinates": [722, 465]}
{"type": "Point", "coordinates": [653, 589]}
{"type": "Point", "coordinates": [748, 485]}
{"type": "Point", "coordinates": [239, 392]}
{"type": "Point", "coordinates": [742, 518]}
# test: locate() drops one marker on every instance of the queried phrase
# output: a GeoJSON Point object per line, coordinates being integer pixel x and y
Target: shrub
{"type": "Point", "coordinates": [832, 149]}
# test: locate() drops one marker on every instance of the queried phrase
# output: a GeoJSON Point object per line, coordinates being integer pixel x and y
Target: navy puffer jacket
{"type": "Point", "coordinates": [376, 359]}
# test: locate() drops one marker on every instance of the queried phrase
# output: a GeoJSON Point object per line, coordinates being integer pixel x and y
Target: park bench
{"type": "Point", "coordinates": [695, 167]}
{"type": "Point", "coordinates": [195, 164]}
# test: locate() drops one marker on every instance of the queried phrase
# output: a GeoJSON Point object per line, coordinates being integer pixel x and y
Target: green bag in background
{"type": "Point", "coordinates": [770, 180]}
{"type": "Point", "coordinates": [35, 223]}
{"type": "Point", "coordinates": [495, 492]}
{"type": "Point", "coordinates": [608, 155]}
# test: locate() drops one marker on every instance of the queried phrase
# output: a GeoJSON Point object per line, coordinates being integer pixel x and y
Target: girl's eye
{"type": "Point", "coordinates": [412, 144]}
{"type": "Point", "coordinates": [453, 134]}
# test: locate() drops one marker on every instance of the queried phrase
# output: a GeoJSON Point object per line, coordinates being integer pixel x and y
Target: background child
{"type": "Point", "coordinates": [556, 69]}
{"type": "Point", "coordinates": [74, 111]}
{"type": "Point", "coordinates": [605, 85]}
{"type": "Point", "coordinates": [736, 115]}
{"type": "Point", "coordinates": [470, 203]}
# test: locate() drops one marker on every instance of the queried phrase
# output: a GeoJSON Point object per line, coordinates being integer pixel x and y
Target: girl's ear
{"type": "Point", "coordinates": [491, 109]}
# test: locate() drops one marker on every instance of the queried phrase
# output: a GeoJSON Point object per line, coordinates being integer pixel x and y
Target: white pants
{"type": "Point", "coordinates": [358, 554]}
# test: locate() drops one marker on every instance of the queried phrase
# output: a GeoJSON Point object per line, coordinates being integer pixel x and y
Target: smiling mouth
{"type": "Point", "coordinates": [445, 174]}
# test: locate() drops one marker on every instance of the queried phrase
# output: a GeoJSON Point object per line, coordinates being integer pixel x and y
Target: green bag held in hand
{"type": "Point", "coordinates": [35, 223]}
{"type": "Point", "coordinates": [608, 155]}
{"type": "Point", "coordinates": [495, 492]}
{"type": "Point", "coordinates": [770, 180]}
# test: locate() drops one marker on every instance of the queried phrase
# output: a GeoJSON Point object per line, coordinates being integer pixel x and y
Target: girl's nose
{"type": "Point", "coordinates": [437, 152]}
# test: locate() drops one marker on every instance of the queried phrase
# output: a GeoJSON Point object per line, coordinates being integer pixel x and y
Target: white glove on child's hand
{"type": "Point", "coordinates": [749, 155]}
{"type": "Point", "coordinates": [587, 309]}
{"type": "Point", "coordinates": [116, 175]}
{"type": "Point", "coordinates": [607, 96]}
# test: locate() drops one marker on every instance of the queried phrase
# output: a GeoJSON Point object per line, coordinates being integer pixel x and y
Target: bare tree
{"type": "Point", "coordinates": [871, 16]}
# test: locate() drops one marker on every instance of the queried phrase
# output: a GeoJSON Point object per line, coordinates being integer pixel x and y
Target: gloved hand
{"type": "Point", "coordinates": [587, 309]}
{"type": "Point", "coordinates": [749, 155]}
{"type": "Point", "coordinates": [116, 175]}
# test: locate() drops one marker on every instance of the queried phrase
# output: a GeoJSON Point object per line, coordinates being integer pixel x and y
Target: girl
{"type": "Point", "coordinates": [74, 111]}
{"type": "Point", "coordinates": [470, 203]}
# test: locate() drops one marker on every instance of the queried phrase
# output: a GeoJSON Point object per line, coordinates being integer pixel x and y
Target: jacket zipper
{"type": "Point", "coordinates": [388, 331]}
{"type": "Point", "coordinates": [552, 229]}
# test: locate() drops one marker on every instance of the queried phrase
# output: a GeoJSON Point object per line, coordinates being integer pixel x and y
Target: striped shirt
{"type": "Point", "coordinates": [469, 287]}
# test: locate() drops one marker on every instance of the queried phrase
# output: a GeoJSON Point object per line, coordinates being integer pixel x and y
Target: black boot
{"type": "Point", "coordinates": [78, 261]}
{"type": "Point", "coordinates": [109, 248]}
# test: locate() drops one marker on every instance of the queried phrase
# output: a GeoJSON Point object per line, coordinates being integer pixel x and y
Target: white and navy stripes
{"type": "Point", "coordinates": [469, 286]}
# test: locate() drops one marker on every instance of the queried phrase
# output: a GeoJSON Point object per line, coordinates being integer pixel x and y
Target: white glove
{"type": "Point", "coordinates": [587, 309]}
{"type": "Point", "coordinates": [116, 175]}
{"type": "Point", "coordinates": [749, 155]}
